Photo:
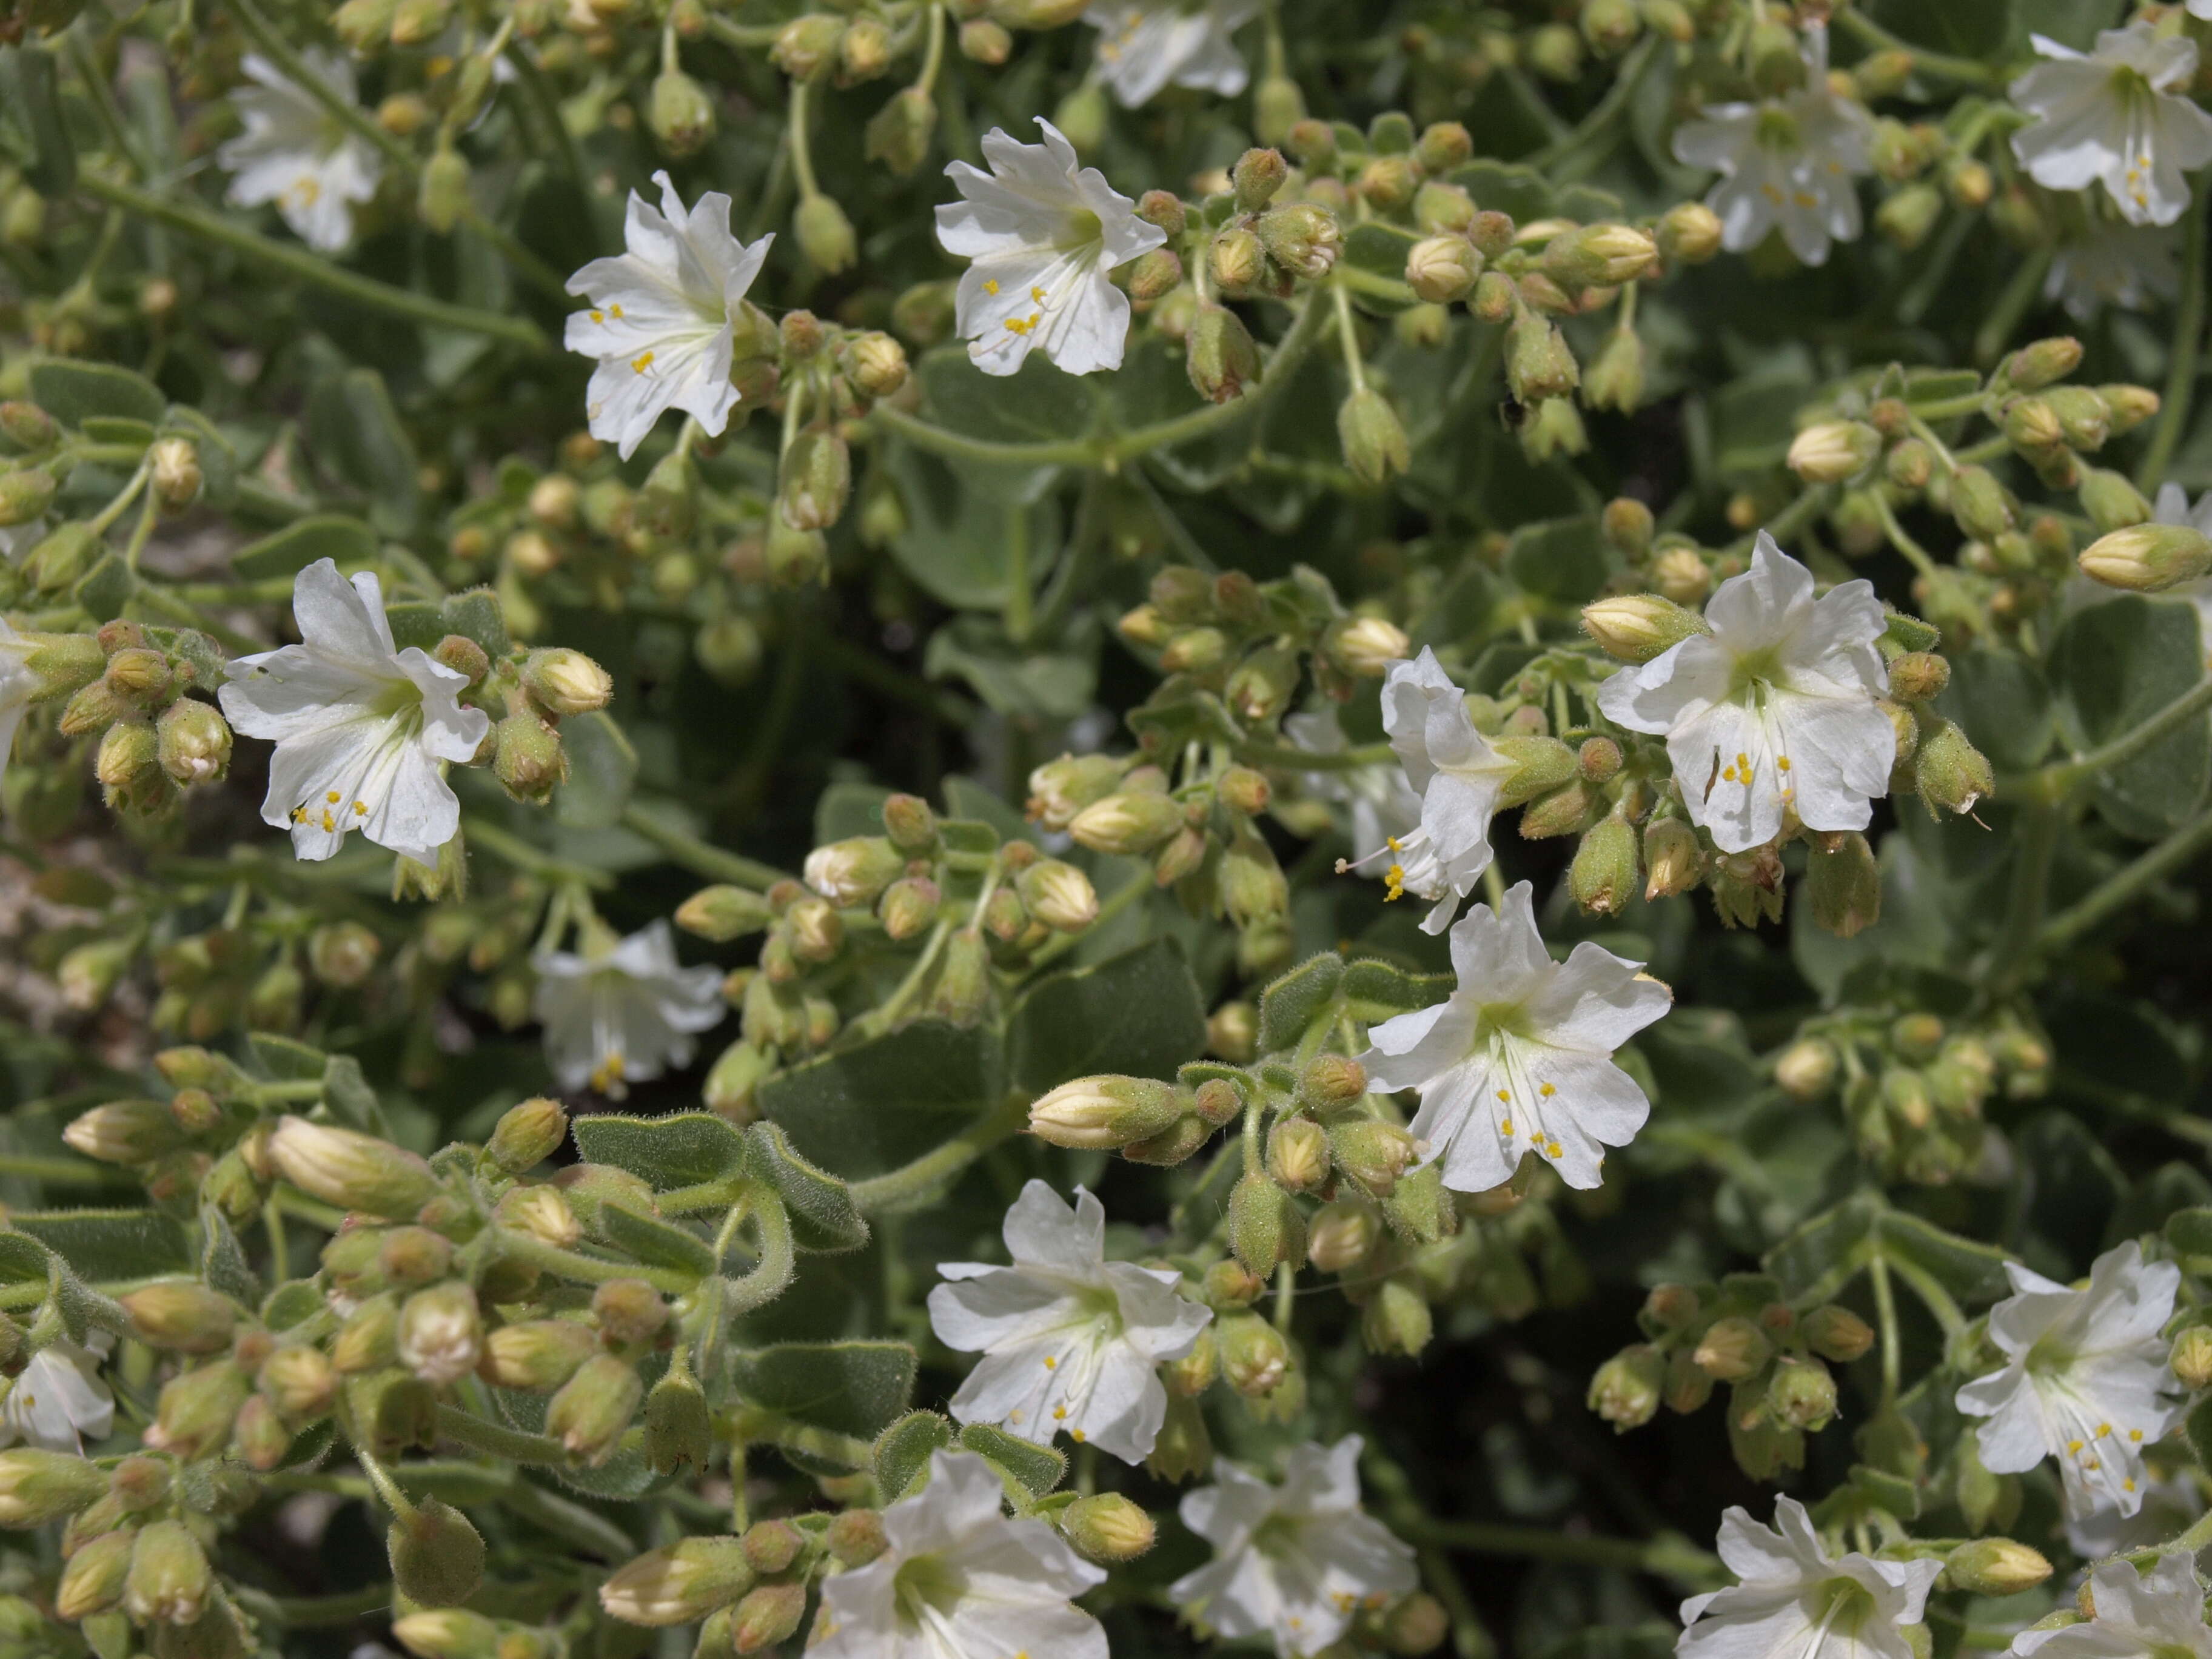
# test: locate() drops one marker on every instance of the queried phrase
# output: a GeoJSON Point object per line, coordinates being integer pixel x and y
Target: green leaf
{"type": "Point", "coordinates": [1380, 251]}
{"type": "Point", "coordinates": [850, 808]}
{"type": "Point", "coordinates": [1827, 1250]}
{"type": "Point", "coordinates": [284, 1059]}
{"type": "Point", "coordinates": [1032, 681]}
{"type": "Point", "coordinates": [657, 1244]}
{"type": "Point", "coordinates": [602, 772]}
{"type": "Point", "coordinates": [477, 615]}
{"type": "Point", "coordinates": [2001, 702]}
{"type": "Point", "coordinates": [29, 80]}
{"type": "Point", "coordinates": [1139, 1014]}
{"type": "Point", "coordinates": [351, 1100]}
{"type": "Point", "coordinates": [879, 1104]}
{"type": "Point", "coordinates": [356, 437]}
{"type": "Point", "coordinates": [1030, 1470]}
{"type": "Point", "coordinates": [299, 545]}
{"type": "Point", "coordinates": [849, 1387]}
{"type": "Point", "coordinates": [117, 429]}
{"type": "Point", "coordinates": [1297, 999]}
{"type": "Point", "coordinates": [1564, 561]}
{"type": "Point", "coordinates": [112, 1245]}
{"type": "Point", "coordinates": [2114, 666]}
{"type": "Point", "coordinates": [902, 1450]}
{"type": "Point", "coordinates": [1867, 1492]}
{"type": "Point", "coordinates": [294, 1300]}
{"type": "Point", "coordinates": [417, 623]}
{"type": "Point", "coordinates": [964, 798]}
{"type": "Point", "coordinates": [963, 520]}
{"type": "Point", "coordinates": [73, 392]}
{"type": "Point", "coordinates": [222, 1260]}
{"type": "Point", "coordinates": [686, 1149]}
{"type": "Point", "coordinates": [1037, 402]}
{"type": "Point", "coordinates": [1374, 991]}
{"type": "Point", "coordinates": [824, 1218]}
{"type": "Point", "coordinates": [1965, 28]}
{"type": "Point", "coordinates": [104, 589]}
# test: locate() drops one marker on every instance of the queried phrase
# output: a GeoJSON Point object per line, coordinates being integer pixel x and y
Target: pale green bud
{"type": "Point", "coordinates": [1303, 238]}
{"type": "Point", "coordinates": [854, 872]}
{"type": "Point", "coordinates": [1127, 822]}
{"type": "Point", "coordinates": [1101, 1113]}
{"type": "Point", "coordinates": [566, 681]}
{"type": "Point", "coordinates": [180, 1313]}
{"type": "Point", "coordinates": [1373, 437]}
{"type": "Point", "coordinates": [169, 1579]}
{"type": "Point", "coordinates": [591, 1411]}
{"type": "Point", "coordinates": [1832, 452]}
{"type": "Point", "coordinates": [2148, 558]}
{"type": "Point", "coordinates": [1442, 269]}
{"type": "Point", "coordinates": [37, 1486]}
{"type": "Point", "coordinates": [1599, 256]}
{"type": "Point", "coordinates": [1219, 355]}
{"type": "Point", "coordinates": [1255, 1357]}
{"type": "Point", "coordinates": [825, 234]}
{"type": "Point", "coordinates": [437, 1557]}
{"type": "Point", "coordinates": [353, 1171]}
{"type": "Point", "coordinates": [679, 114]}
{"type": "Point", "coordinates": [1950, 773]}
{"type": "Point", "coordinates": [679, 1584]}
{"type": "Point", "coordinates": [1266, 1227]}
{"type": "Point", "coordinates": [1732, 1349]}
{"type": "Point", "coordinates": [125, 1132]}
{"type": "Point", "coordinates": [92, 1581]}
{"type": "Point", "coordinates": [537, 1356]}
{"type": "Point", "coordinates": [527, 1134]}
{"type": "Point", "coordinates": [1107, 1528]}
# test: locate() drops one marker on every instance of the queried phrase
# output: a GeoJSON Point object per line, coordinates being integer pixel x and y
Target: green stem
{"type": "Point", "coordinates": [300, 263]}
{"type": "Point", "coordinates": [882, 1018]}
{"type": "Point", "coordinates": [2059, 779]}
{"type": "Point", "coordinates": [60, 1171]}
{"type": "Point", "coordinates": [590, 1269]}
{"type": "Point", "coordinates": [2188, 345]}
{"type": "Point", "coordinates": [932, 51]}
{"type": "Point", "coordinates": [1603, 117]}
{"type": "Point", "coordinates": [1885, 1313]}
{"type": "Point", "coordinates": [586, 1528]}
{"type": "Point", "coordinates": [2034, 846]}
{"type": "Point", "coordinates": [1934, 62]}
{"type": "Point", "coordinates": [513, 850]}
{"type": "Point", "coordinates": [327, 1611]}
{"type": "Point", "coordinates": [1921, 559]}
{"type": "Point", "coordinates": [777, 1262]}
{"type": "Point", "coordinates": [2117, 890]}
{"type": "Point", "coordinates": [715, 863]}
{"type": "Point", "coordinates": [1668, 1556]}
{"type": "Point", "coordinates": [1347, 335]}
{"type": "Point", "coordinates": [929, 1172]}
{"type": "Point", "coordinates": [1791, 520]}
{"type": "Point", "coordinates": [802, 155]}
{"type": "Point", "coordinates": [513, 1445]}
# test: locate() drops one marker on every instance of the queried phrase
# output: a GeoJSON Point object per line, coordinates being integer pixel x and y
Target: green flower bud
{"type": "Point", "coordinates": [24, 494]}
{"type": "Point", "coordinates": [1127, 822]}
{"type": "Point", "coordinates": [169, 1580]}
{"type": "Point", "coordinates": [899, 133]}
{"type": "Point", "coordinates": [1995, 1566]}
{"type": "Point", "coordinates": [825, 236]}
{"type": "Point", "coordinates": [1842, 883]}
{"type": "Point", "coordinates": [92, 1581]}
{"type": "Point", "coordinates": [1836, 1333]}
{"type": "Point", "coordinates": [1258, 175]}
{"type": "Point", "coordinates": [1832, 452]}
{"type": "Point", "coordinates": [1538, 362]}
{"type": "Point", "coordinates": [300, 1382]}
{"type": "Point", "coordinates": [1801, 1393]}
{"type": "Point", "coordinates": [1445, 209]}
{"type": "Point", "coordinates": [2148, 558]}
{"type": "Point", "coordinates": [806, 44]}
{"type": "Point", "coordinates": [1625, 1390]}
{"type": "Point", "coordinates": [440, 1335]}
{"type": "Point", "coordinates": [855, 1537]}
{"type": "Point", "coordinates": [437, 1557]}
{"type": "Point", "coordinates": [527, 1134]}
{"type": "Point", "coordinates": [1395, 1317]}
{"type": "Point", "coordinates": [442, 196]}
{"type": "Point", "coordinates": [196, 1409]}
{"type": "Point", "coordinates": [1373, 437]}
{"type": "Point", "coordinates": [1107, 1528]}
{"type": "Point", "coordinates": [1979, 505]}
{"type": "Point", "coordinates": [2192, 1357]}
{"type": "Point", "coordinates": [449, 1633]}
{"type": "Point", "coordinates": [1219, 355]}
{"type": "Point", "coordinates": [794, 555]}
{"type": "Point", "coordinates": [963, 992]}
{"type": "Point", "coordinates": [353, 1171]}
{"type": "Point", "coordinates": [679, 1432]}
{"type": "Point", "coordinates": [1418, 1624]}
{"type": "Point", "coordinates": [1615, 379]}
{"type": "Point", "coordinates": [1908, 214]}
{"type": "Point", "coordinates": [2112, 502]}
{"type": "Point", "coordinates": [528, 759]}
{"type": "Point", "coordinates": [815, 480]}
{"type": "Point", "coordinates": [679, 1584]}
{"type": "Point", "coordinates": [1182, 1448]}
{"type": "Point", "coordinates": [38, 1486]}
{"type": "Point", "coordinates": [2043, 363]}
{"type": "Point", "coordinates": [630, 1313]}
{"type": "Point", "coordinates": [1297, 1154]}
{"type": "Point", "coordinates": [1599, 256]}
{"type": "Point", "coordinates": [854, 872]}
{"type": "Point", "coordinates": [679, 114]}
{"type": "Point", "coordinates": [125, 1132]}
{"type": "Point", "coordinates": [369, 1339]}
{"type": "Point", "coordinates": [1303, 238]}
{"type": "Point", "coordinates": [767, 1615]}
{"type": "Point", "coordinates": [1100, 1113]}
{"type": "Point", "coordinates": [1689, 233]}
{"type": "Point", "coordinates": [1606, 869]}
{"type": "Point", "coordinates": [2084, 419]}
{"type": "Point", "coordinates": [26, 427]}
{"type": "Point", "coordinates": [1371, 1153]}
{"type": "Point", "coordinates": [1732, 1349]}
{"type": "Point", "coordinates": [1254, 1356]}
{"type": "Point", "coordinates": [1342, 1234]}
{"type": "Point", "coordinates": [537, 1356]}
{"type": "Point", "coordinates": [589, 1413]}
{"type": "Point", "coordinates": [566, 681]}
{"type": "Point", "coordinates": [1059, 895]}
{"type": "Point", "coordinates": [180, 1313]}
{"type": "Point", "coordinates": [191, 742]}
{"type": "Point", "coordinates": [1442, 269]}
{"type": "Point", "coordinates": [1266, 1227]}
{"type": "Point", "coordinates": [723, 913]}
{"type": "Point", "coordinates": [1949, 772]}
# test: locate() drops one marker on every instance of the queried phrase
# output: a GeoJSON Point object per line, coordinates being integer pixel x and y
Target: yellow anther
{"type": "Point", "coordinates": [2072, 1446]}
{"type": "Point", "coordinates": [360, 809]}
{"type": "Point", "coordinates": [1059, 1413]}
{"type": "Point", "coordinates": [1782, 764]}
{"type": "Point", "coordinates": [2103, 1429]}
{"type": "Point", "coordinates": [1551, 1149]}
{"type": "Point", "coordinates": [2129, 1484]}
{"type": "Point", "coordinates": [1505, 1094]}
{"type": "Point", "coordinates": [1548, 1092]}
{"type": "Point", "coordinates": [1077, 1435]}
{"type": "Point", "coordinates": [1036, 295]}
{"type": "Point", "coordinates": [1805, 198]}
{"type": "Point", "coordinates": [2136, 1435]}
{"type": "Point", "coordinates": [598, 316]}
{"type": "Point", "coordinates": [990, 285]}
{"type": "Point", "coordinates": [1394, 846]}
{"type": "Point", "coordinates": [1506, 1128]}
{"type": "Point", "coordinates": [642, 361]}
{"type": "Point", "coordinates": [614, 310]}
{"type": "Point", "coordinates": [329, 823]}
{"type": "Point", "coordinates": [334, 797]}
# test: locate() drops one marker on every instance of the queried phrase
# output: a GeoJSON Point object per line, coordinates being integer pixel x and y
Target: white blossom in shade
{"type": "Point", "coordinates": [2128, 266]}
{"type": "Point", "coordinates": [18, 687]}
{"type": "Point", "coordinates": [362, 729]}
{"type": "Point", "coordinates": [58, 1403]}
{"type": "Point", "coordinates": [1456, 777]}
{"type": "Point", "coordinates": [2173, 508]}
{"type": "Point", "coordinates": [1787, 164]}
{"type": "Point", "coordinates": [1294, 1561]}
{"type": "Point", "coordinates": [2158, 1614]}
{"type": "Point", "coordinates": [2085, 1379]}
{"type": "Point", "coordinates": [662, 320]}
{"type": "Point", "coordinates": [296, 154]}
{"type": "Point", "coordinates": [1071, 1342]}
{"type": "Point", "coordinates": [1774, 709]}
{"type": "Point", "coordinates": [1520, 1057]}
{"type": "Point", "coordinates": [2169, 1505]}
{"type": "Point", "coordinates": [960, 1580]}
{"type": "Point", "coordinates": [2120, 116]}
{"type": "Point", "coordinates": [622, 1014]}
{"type": "Point", "coordinates": [1147, 45]}
{"type": "Point", "coordinates": [1794, 1601]}
{"type": "Point", "coordinates": [1041, 231]}
{"type": "Point", "coordinates": [1379, 802]}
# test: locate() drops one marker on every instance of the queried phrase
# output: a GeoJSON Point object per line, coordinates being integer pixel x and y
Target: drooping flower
{"type": "Point", "coordinates": [621, 1012]}
{"type": "Point", "coordinates": [960, 1580]}
{"type": "Point", "coordinates": [1457, 776]}
{"type": "Point", "coordinates": [1296, 1560]}
{"type": "Point", "coordinates": [1041, 231]}
{"type": "Point", "coordinates": [2158, 1614]}
{"type": "Point", "coordinates": [59, 1402]}
{"type": "Point", "coordinates": [2085, 1378]}
{"type": "Point", "coordinates": [362, 728]}
{"type": "Point", "coordinates": [1793, 1598]}
{"type": "Point", "coordinates": [1071, 1342]}
{"type": "Point", "coordinates": [662, 320]}
{"type": "Point", "coordinates": [1773, 710]}
{"type": "Point", "coordinates": [296, 154]}
{"type": "Point", "coordinates": [1786, 164]}
{"type": "Point", "coordinates": [2125, 266]}
{"type": "Point", "coordinates": [1381, 804]}
{"type": "Point", "coordinates": [1520, 1057]}
{"type": "Point", "coordinates": [1144, 45]}
{"type": "Point", "coordinates": [2120, 116]}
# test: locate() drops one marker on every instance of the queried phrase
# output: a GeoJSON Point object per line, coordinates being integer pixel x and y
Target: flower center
{"type": "Point", "coordinates": [926, 1585]}
{"type": "Point", "coordinates": [1777, 131]}
{"type": "Point", "coordinates": [1079, 230]}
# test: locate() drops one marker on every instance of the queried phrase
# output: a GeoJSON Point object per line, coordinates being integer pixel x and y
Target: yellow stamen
{"type": "Point", "coordinates": [1548, 1092]}
{"type": "Point", "coordinates": [990, 285]}
{"type": "Point", "coordinates": [334, 797]}
{"type": "Point", "coordinates": [598, 316]}
{"type": "Point", "coordinates": [642, 362]}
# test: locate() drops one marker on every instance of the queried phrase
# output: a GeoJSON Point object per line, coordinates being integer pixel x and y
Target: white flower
{"type": "Point", "coordinates": [1041, 231]}
{"type": "Point", "coordinates": [2085, 1379]}
{"type": "Point", "coordinates": [360, 727]}
{"type": "Point", "coordinates": [1071, 1342]}
{"type": "Point", "coordinates": [2124, 265]}
{"type": "Point", "coordinates": [960, 1581]}
{"type": "Point", "coordinates": [2158, 1614]}
{"type": "Point", "coordinates": [2173, 508]}
{"type": "Point", "coordinates": [1457, 776]}
{"type": "Point", "coordinates": [1293, 1561]}
{"type": "Point", "coordinates": [620, 1015]}
{"type": "Point", "coordinates": [1786, 164]}
{"type": "Point", "coordinates": [1142, 47]}
{"type": "Point", "coordinates": [59, 1402]}
{"type": "Point", "coordinates": [1382, 803]}
{"type": "Point", "coordinates": [296, 154]}
{"type": "Point", "coordinates": [1774, 709]}
{"type": "Point", "coordinates": [18, 686]}
{"type": "Point", "coordinates": [2111, 117]}
{"type": "Point", "coordinates": [662, 322]}
{"type": "Point", "coordinates": [2168, 1506]}
{"type": "Point", "coordinates": [1794, 1601]}
{"type": "Point", "coordinates": [1521, 1054]}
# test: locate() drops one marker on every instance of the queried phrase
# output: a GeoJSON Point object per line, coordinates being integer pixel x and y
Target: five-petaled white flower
{"type": "Point", "coordinates": [1071, 1342]}
{"type": "Point", "coordinates": [2158, 1614]}
{"type": "Point", "coordinates": [1293, 1561]}
{"type": "Point", "coordinates": [59, 1402]}
{"type": "Point", "coordinates": [1521, 1055]}
{"type": "Point", "coordinates": [1145, 45]}
{"type": "Point", "coordinates": [2085, 1378]}
{"type": "Point", "coordinates": [1041, 231]}
{"type": "Point", "coordinates": [1455, 774]}
{"type": "Point", "coordinates": [1772, 711]}
{"type": "Point", "coordinates": [662, 321]}
{"type": "Point", "coordinates": [296, 154]}
{"type": "Point", "coordinates": [2120, 115]}
{"type": "Point", "coordinates": [620, 1014]}
{"type": "Point", "coordinates": [1786, 164]}
{"type": "Point", "coordinates": [362, 728]}
{"type": "Point", "coordinates": [1382, 804]}
{"type": "Point", "coordinates": [1795, 1600]}
{"type": "Point", "coordinates": [2124, 265]}
{"type": "Point", "coordinates": [960, 1581]}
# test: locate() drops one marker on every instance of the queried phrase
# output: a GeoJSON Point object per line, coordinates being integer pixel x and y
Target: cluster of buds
{"type": "Point", "coordinates": [975, 907]}
{"type": "Point", "coordinates": [1773, 1359]}
{"type": "Point", "coordinates": [751, 1589]}
{"type": "Point", "coordinates": [1879, 450]}
{"type": "Point", "coordinates": [155, 739]}
{"type": "Point", "coordinates": [1912, 1087]}
{"type": "Point", "coordinates": [831, 376]}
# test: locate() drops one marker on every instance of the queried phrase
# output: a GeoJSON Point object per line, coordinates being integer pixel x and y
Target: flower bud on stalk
{"type": "Point", "coordinates": [527, 1134]}
{"type": "Point", "coordinates": [353, 1171]}
{"type": "Point", "coordinates": [124, 1132]}
{"type": "Point", "coordinates": [592, 1408]}
{"type": "Point", "coordinates": [1625, 1390]}
{"type": "Point", "coordinates": [1059, 895]}
{"type": "Point", "coordinates": [1365, 646]}
{"type": "Point", "coordinates": [1442, 269]}
{"type": "Point", "coordinates": [1303, 238]}
{"type": "Point", "coordinates": [1106, 1526]}
{"type": "Point", "coordinates": [679, 114]}
{"type": "Point", "coordinates": [300, 1382]}
{"type": "Point", "coordinates": [1266, 1227]}
{"type": "Point", "coordinates": [1732, 1349]}
{"type": "Point", "coordinates": [181, 1315]}
{"type": "Point", "coordinates": [440, 1333]}
{"type": "Point", "coordinates": [815, 480]}
{"type": "Point", "coordinates": [1836, 1333]}
{"type": "Point", "coordinates": [437, 1557]}
{"type": "Point", "coordinates": [537, 1356]}
{"type": "Point", "coordinates": [1101, 1113]}
{"type": "Point", "coordinates": [1801, 1393]}
{"type": "Point", "coordinates": [1995, 1566]}
{"type": "Point", "coordinates": [1374, 439]}
{"type": "Point", "coordinates": [451, 1633]}
{"type": "Point", "coordinates": [1950, 773]}
{"type": "Point", "coordinates": [723, 913]}
{"type": "Point", "coordinates": [1254, 1356]}
{"type": "Point", "coordinates": [1833, 451]}
{"type": "Point", "coordinates": [1599, 256]}
{"type": "Point", "coordinates": [1127, 822]}
{"type": "Point", "coordinates": [37, 1486]}
{"type": "Point", "coordinates": [1605, 871]}
{"type": "Point", "coordinates": [93, 1579]}
{"type": "Point", "coordinates": [1219, 355]}
{"type": "Point", "coordinates": [169, 1579]}
{"type": "Point", "coordinates": [679, 1584]}
{"type": "Point", "coordinates": [1842, 883]}
{"type": "Point", "coordinates": [2148, 558]}
{"type": "Point", "coordinates": [567, 683]}
{"type": "Point", "coordinates": [1538, 362]}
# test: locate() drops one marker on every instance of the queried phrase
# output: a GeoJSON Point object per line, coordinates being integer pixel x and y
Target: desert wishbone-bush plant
{"type": "Point", "coordinates": [1020, 829]}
